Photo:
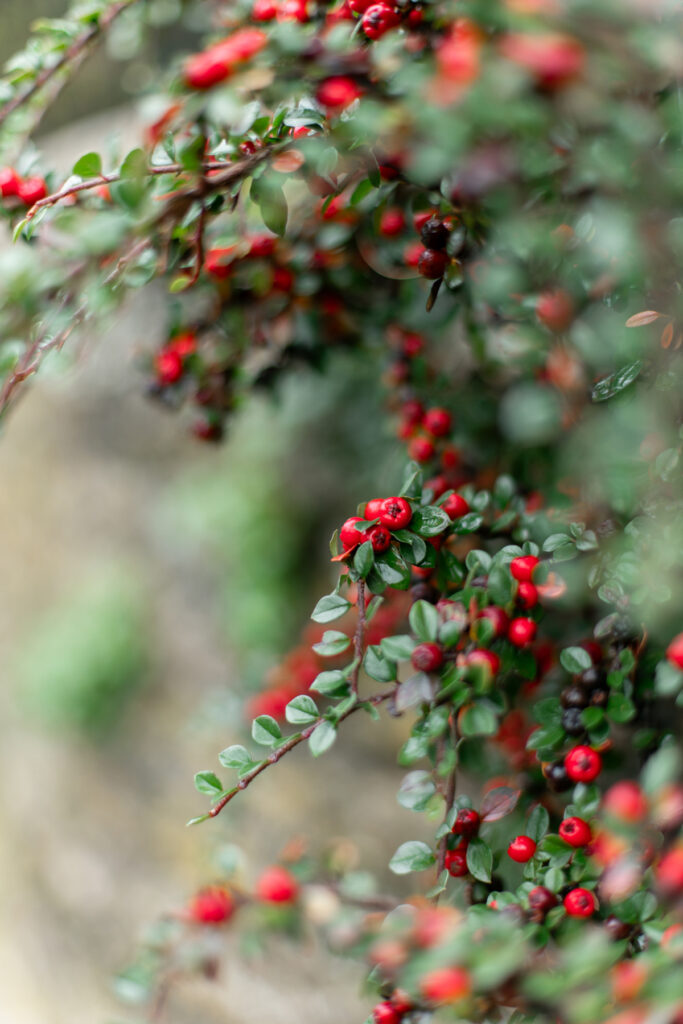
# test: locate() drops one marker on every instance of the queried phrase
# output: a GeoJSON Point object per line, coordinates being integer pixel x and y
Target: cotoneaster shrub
{"type": "Point", "coordinates": [481, 201]}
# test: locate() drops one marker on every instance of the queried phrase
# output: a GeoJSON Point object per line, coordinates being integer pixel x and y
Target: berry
{"type": "Point", "coordinates": [617, 929]}
{"type": "Point", "coordinates": [379, 19]}
{"type": "Point", "coordinates": [669, 871]}
{"type": "Point", "coordinates": [218, 262]}
{"type": "Point", "coordinates": [264, 10]}
{"type": "Point", "coordinates": [555, 310]}
{"type": "Point", "coordinates": [359, 6]}
{"type": "Point", "coordinates": [437, 421]}
{"type": "Point", "coordinates": [466, 823]}
{"type": "Point", "coordinates": [169, 366]}
{"type": "Point", "coordinates": [446, 985]}
{"type": "Point", "coordinates": [262, 246]}
{"type": "Point", "coordinates": [385, 1013]}
{"type": "Point", "coordinates": [456, 506]}
{"type": "Point", "coordinates": [455, 862]}
{"type": "Point", "coordinates": [522, 569]}
{"type": "Point", "coordinates": [541, 900]}
{"type": "Point", "coordinates": [427, 657]}
{"type": "Point", "coordinates": [489, 659]}
{"type": "Point", "coordinates": [522, 849]}
{"type": "Point", "coordinates": [350, 536]}
{"type": "Point", "coordinates": [380, 538]}
{"type": "Point", "coordinates": [395, 513]}
{"type": "Point", "coordinates": [498, 617]}
{"type": "Point", "coordinates": [572, 722]}
{"type": "Point", "coordinates": [421, 217]}
{"type": "Point", "coordinates": [434, 234]}
{"type": "Point", "coordinates": [184, 344]}
{"type": "Point", "coordinates": [580, 903]}
{"type": "Point", "coordinates": [583, 764]}
{"type": "Point", "coordinates": [209, 430]}
{"type": "Point", "coordinates": [432, 264]}
{"type": "Point", "coordinates": [212, 905]}
{"type": "Point", "coordinates": [557, 777]}
{"type": "Point", "coordinates": [204, 70]}
{"type": "Point", "coordinates": [625, 800]}
{"type": "Point", "coordinates": [401, 1001]}
{"type": "Point", "coordinates": [552, 58]}
{"type": "Point", "coordinates": [32, 190]}
{"type": "Point", "coordinates": [412, 411]}
{"type": "Point", "coordinates": [412, 254]}
{"type": "Point", "coordinates": [373, 508]}
{"type": "Point", "coordinates": [294, 10]}
{"type": "Point", "coordinates": [674, 651]}
{"type": "Point", "coordinates": [521, 632]}
{"type": "Point", "coordinates": [527, 594]}
{"type": "Point", "coordinates": [9, 182]}
{"type": "Point", "coordinates": [337, 93]}
{"type": "Point", "coordinates": [277, 885]}
{"type": "Point", "coordinates": [576, 832]}
{"type": "Point", "coordinates": [573, 697]}
{"type": "Point", "coordinates": [391, 223]}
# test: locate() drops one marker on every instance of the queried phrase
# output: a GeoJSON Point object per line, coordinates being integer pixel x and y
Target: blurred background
{"type": "Point", "coordinates": [138, 569]}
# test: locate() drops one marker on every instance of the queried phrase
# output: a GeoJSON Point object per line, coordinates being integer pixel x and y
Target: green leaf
{"type": "Point", "coordinates": [547, 736]}
{"type": "Point", "coordinates": [537, 823]}
{"type": "Point", "coordinates": [412, 482]}
{"type": "Point", "coordinates": [620, 708]}
{"type": "Point", "coordinates": [469, 523]}
{"type": "Point", "coordinates": [265, 731]}
{"type": "Point", "coordinates": [378, 666]}
{"type": "Point", "coordinates": [479, 719]}
{"type": "Point", "coordinates": [235, 757]}
{"type": "Point", "coordinates": [88, 166]}
{"type": "Point", "coordinates": [610, 386]}
{"type": "Point", "coordinates": [424, 621]}
{"type": "Point", "coordinates": [575, 660]}
{"type": "Point", "coordinates": [302, 710]}
{"type": "Point", "coordinates": [668, 679]}
{"type": "Point", "coordinates": [429, 520]}
{"type": "Point", "coordinates": [479, 859]}
{"type": "Point", "coordinates": [412, 856]}
{"type": "Point", "coordinates": [134, 166]}
{"type": "Point", "coordinates": [208, 783]}
{"type": "Point", "coordinates": [268, 195]}
{"type": "Point", "coordinates": [332, 683]}
{"type": "Point", "coordinates": [555, 541]}
{"type": "Point", "coordinates": [398, 648]}
{"type": "Point", "coordinates": [363, 558]}
{"type": "Point", "coordinates": [362, 189]}
{"type": "Point", "coordinates": [392, 569]}
{"type": "Point", "coordinates": [416, 791]}
{"type": "Point", "coordinates": [333, 642]}
{"type": "Point", "coordinates": [330, 607]}
{"type": "Point", "coordinates": [322, 738]}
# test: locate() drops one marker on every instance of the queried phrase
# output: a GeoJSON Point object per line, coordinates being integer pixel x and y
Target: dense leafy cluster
{"type": "Point", "coordinates": [480, 200]}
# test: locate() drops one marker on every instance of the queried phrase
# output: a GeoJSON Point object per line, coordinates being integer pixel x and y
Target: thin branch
{"type": "Point", "coordinates": [71, 54]}
{"type": "Point", "coordinates": [291, 743]}
{"type": "Point", "coordinates": [449, 794]}
{"type": "Point", "coordinates": [359, 636]}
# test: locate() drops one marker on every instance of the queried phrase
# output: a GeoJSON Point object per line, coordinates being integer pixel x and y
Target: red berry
{"type": "Point", "coordinates": [337, 93]}
{"type": "Point", "coordinates": [385, 1013]}
{"type": "Point", "coordinates": [412, 411]}
{"type": "Point", "coordinates": [242, 45]}
{"type": "Point", "coordinates": [625, 800]}
{"type": "Point", "coordinates": [583, 764]}
{"type": "Point", "coordinates": [294, 10]}
{"type": "Point", "coordinates": [264, 10]}
{"type": "Point", "coordinates": [218, 262]}
{"type": "Point", "coordinates": [450, 457]}
{"type": "Point", "coordinates": [169, 366]}
{"type": "Point", "coordinates": [432, 264]}
{"type": "Point", "coordinates": [421, 449]}
{"type": "Point", "coordinates": [211, 430]}
{"type": "Point", "coordinates": [380, 538]}
{"type": "Point", "coordinates": [262, 246]}
{"type": "Point", "coordinates": [541, 900]}
{"type": "Point", "coordinates": [391, 222]}
{"type": "Point", "coordinates": [412, 254]}
{"type": "Point", "coordinates": [580, 903]}
{"type": "Point", "coordinates": [359, 6]}
{"type": "Point", "coordinates": [32, 190]}
{"type": "Point", "coordinates": [498, 617]}
{"type": "Point", "coordinates": [521, 632]}
{"type": "Point", "coordinates": [522, 568]}
{"type": "Point", "coordinates": [379, 19]}
{"type": "Point", "coordinates": [669, 871]}
{"type": "Point", "coordinates": [488, 659]}
{"type": "Point", "coordinates": [421, 217]}
{"type": "Point", "coordinates": [277, 885]}
{"type": "Point", "coordinates": [350, 536]}
{"type": "Point", "coordinates": [455, 506]}
{"type": "Point", "coordinates": [283, 279]}
{"type": "Point", "coordinates": [413, 344]}
{"type": "Point", "coordinates": [674, 651]}
{"type": "Point", "coordinates": [455, 862]}
{"type": "Point", "coordinates": [553, 59]}
{"type": "Point", "coordinates": [576, 832]}
{"type": "Point", "coordinates": [401, 1002]}
{"type": "Point", "coordinates": [204, 70]}
{"type": "Point", "coordinates": [9, 182]}
{"type": "Point", "coordinates": [427, 657]}
{"type": "Point", "coordinates": [212, 905]}
{"type": "Point", "coordinates": [522, 849]}
{"type": "Point", "coordinates": [555, 310]}
{"type": "Point", "coordinates": [373, 508]}
{"type": "Point", "coordinates": [527, 595]}
{"type": "Point", "coordinates": [395, 513]}
{"type": "Point", "coordinates": [446, 985]}
{"type": "Point", "coordinates": [434, 233]}
{"type": "Point", "coordinates": [466, 823]}
{"type": "Point", "coordinates": [184, 344]}
{"type": "Point", "coordinates": [437, 421]}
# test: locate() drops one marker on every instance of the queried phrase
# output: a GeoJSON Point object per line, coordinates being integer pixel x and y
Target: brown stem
{"type": "Point", "coordinates": [71, 54]}
{"type": "Point", "coordinates": [291, 743]}
{"type": "Point", "coordinates": [359, 635]}
{"type": "Point", "coordinates": [449, 795]}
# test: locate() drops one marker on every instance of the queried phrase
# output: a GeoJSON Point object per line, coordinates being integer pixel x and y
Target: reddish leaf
{"type": "Point", "coordinates": [667, 335]}
{"type": "Point", "coordinates": [499, 802]}
{"type": "Point", "coordinates": [648, 316]}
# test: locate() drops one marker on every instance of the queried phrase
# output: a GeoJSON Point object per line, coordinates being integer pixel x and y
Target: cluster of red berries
{"type": "Point", "coordinates": [216, 904]}
{"type": "Point", "coordinates": [218, 62]}
{"type": "Point", "coordinates": [578, 902]}
{"type": "Point", "coordinates": [25, 190]}
{"type": "Point", "coordinates": [385, 515]}
{"type": "Point", "coordinates": [426, 431]}
{"type": "Point", "coordinates": [465, 827]}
